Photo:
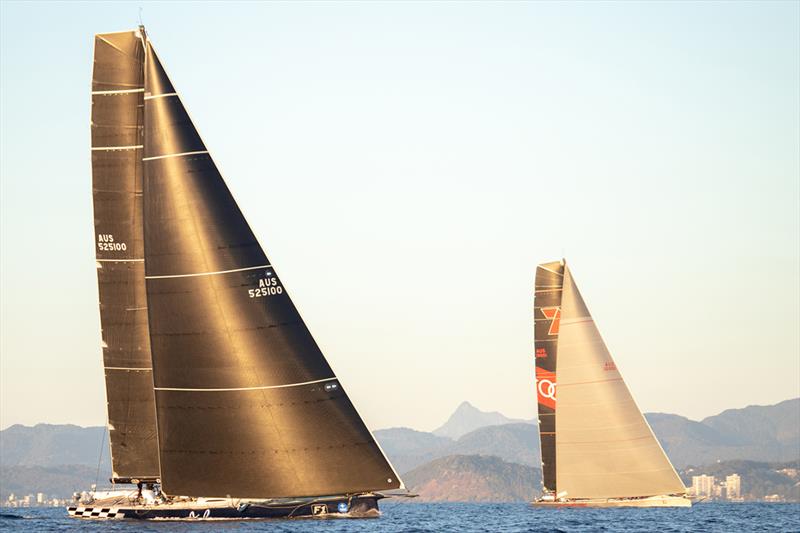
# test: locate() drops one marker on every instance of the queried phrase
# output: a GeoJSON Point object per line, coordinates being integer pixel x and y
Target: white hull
{"type": "Point", "coordinates": [651, 501]}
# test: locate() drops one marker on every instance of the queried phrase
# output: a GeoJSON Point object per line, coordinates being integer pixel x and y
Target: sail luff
{"type": "Point", "coordinates": [546, 318]}
{"type": "Point", "coordinates": [116, 128]}
{"type": "Point", "coordinates": [605, 448]}
{"type": "Point", "coordinates": [247, 405]}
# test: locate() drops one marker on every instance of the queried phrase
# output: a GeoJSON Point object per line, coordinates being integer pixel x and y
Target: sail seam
{"type": "Point", "coordinates": [588, 382]}
{"type": "Point", "coordinates": [615, 472]}
{"type": "Point", "coordinates": [208, 273]}
{"type": "Point", "coordinates": [247, 388]}
{"type": "Point", "coordinates": [119, 91]}
{"type": "Point", "coordinates": [127, 368]}
{"type": "Point", "coordinates": [128, 147]}
{"type": "Point", "coordinates": [571, 321]}
{"type": "Point", "coordinates": [551, 271]}
{"type": "Point", "coordinates": [120, 260]}
{"type": "Point", "coordinates": [181, 154]}
{"type": "Point", "coordinates": [163, 95]}
{"type": "Point", "coordinates": [606, 441]}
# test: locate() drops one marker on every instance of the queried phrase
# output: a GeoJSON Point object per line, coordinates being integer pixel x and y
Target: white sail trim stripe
{"type": "Point", "coordinates": [163, 95]}
{"type": "Point", "coordinates": [138, 368]}
{"type": "Point", "coordinates": [128, 147]}
{"type": "Point", "coordinates": [120, 91]}
{"type": "Point", "coordinates": [181, 154]}
{"type": "Point", "coordinates": [207, 273]}
{"type": "Point", "coordinates": [333, 378]}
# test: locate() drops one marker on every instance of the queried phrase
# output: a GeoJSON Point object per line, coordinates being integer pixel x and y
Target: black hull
{"type": "Point", "coordinates": [341, 507]}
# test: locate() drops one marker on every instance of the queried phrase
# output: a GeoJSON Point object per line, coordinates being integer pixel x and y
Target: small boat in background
{"type": "Point", "coordinates": [597, 448]}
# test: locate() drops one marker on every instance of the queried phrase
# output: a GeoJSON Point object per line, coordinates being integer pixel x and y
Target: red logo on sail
{"type": "Point", "coordinates": [546, 387]}
{"type": "Point", "coordinates": [554, 314]}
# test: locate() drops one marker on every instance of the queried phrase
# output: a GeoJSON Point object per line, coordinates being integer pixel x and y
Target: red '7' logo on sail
{"type": "Point", "coordinates": [553, 313]}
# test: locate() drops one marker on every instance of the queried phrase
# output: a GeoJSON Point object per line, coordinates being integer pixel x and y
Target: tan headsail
{"type": "Point", "coordinates": [604, 446]}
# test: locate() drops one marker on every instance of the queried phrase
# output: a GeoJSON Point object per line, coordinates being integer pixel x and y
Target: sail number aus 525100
{"type": "Point", "coordinates": [106, 243]}
{"type": "Point", "coordinates": [266, 287]}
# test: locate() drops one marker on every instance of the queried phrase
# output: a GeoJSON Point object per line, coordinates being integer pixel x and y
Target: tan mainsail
{"type": "Point", "coordinates": [604, 446]}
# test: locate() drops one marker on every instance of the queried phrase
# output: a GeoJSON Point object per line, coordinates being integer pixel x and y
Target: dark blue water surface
{"type": "Point", "coordinates": [456, 518]}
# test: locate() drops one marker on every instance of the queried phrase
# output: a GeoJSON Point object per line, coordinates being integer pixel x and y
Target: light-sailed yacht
{"type": "Point", "coordinates": [597, 448]}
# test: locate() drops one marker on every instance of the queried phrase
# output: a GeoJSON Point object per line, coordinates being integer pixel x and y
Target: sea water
{"type": "Point", "coordinates": [451, 517]}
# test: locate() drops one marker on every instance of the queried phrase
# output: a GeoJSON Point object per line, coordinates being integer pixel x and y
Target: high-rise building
{"type": "Point", "coordinates": [703, 485]}
{"type": "Point", "coordinates": [40, 498]}
{"type": "Point", "coordinates": [734, 486]}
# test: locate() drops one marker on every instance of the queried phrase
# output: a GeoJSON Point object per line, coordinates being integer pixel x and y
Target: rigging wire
{"type": "Point", "coordinates": [100, 458]}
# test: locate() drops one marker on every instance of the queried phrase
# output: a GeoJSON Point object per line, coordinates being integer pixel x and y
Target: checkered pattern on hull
{"type": "Point", "coordinates": [95, 512]}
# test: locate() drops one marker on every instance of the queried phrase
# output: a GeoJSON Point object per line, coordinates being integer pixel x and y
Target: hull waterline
{"type": "Point", "coordinates": [364, 506]}
{"type": "Point", "coordinates": [654, 501]}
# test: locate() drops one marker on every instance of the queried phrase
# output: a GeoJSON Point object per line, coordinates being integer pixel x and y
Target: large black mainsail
{"type": "Point", "coordinates": [247, 405]}
{"type": "Point", "coordinates": [117, 115]}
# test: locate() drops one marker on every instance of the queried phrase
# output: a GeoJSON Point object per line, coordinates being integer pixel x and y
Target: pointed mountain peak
{"type": "Point", "coordinates": [467, 418]}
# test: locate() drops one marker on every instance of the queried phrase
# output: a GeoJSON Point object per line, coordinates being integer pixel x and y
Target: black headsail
{"type": "Point", "coordinates": [247, 405]}
{"type": "Point", "coordinates": [546, 320]}
{"type": "Point", "coordinates": [117, 114]}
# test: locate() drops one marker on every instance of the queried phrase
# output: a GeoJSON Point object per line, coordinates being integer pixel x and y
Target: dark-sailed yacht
{"type": "Point", "coordinates": [597, 448]}
{"type": "Point", "coordinates": [220, 402]}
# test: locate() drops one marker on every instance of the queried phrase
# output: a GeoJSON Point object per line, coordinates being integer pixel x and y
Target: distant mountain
{"type": "Point", "coordinates": [757, 433]}
{"type": "Point", "coordinates": [467, 418]}
{"type": "Point", "coordinates": [408, 448]}
{"type": "Point", "coordinates": [473, 478]}
{"type": "Point", "coordinates": [760, 433]}
{"type": "Point", "coordinates": [54, 445]}
{"type": "Point", "coordinates": [54, 481]}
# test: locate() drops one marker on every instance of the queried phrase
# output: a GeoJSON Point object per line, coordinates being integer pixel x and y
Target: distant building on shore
{"type": "Point", "coordinates": [703, 485]}
{"type": "Point", "coordinates": [733, 487]}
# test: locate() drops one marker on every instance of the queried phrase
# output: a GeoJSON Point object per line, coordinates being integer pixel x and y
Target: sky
{"type": "Point", "coordinates": [406, 165]}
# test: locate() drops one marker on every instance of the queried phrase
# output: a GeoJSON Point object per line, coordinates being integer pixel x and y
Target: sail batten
{"type": "Point", "coordinates": [247, 404]}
